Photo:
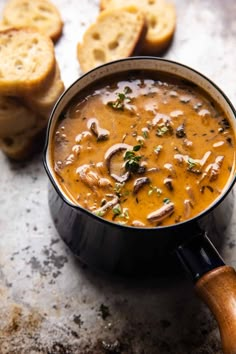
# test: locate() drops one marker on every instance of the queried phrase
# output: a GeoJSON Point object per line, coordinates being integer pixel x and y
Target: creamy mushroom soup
{"type": "Point", "coordinates": [143, 150]}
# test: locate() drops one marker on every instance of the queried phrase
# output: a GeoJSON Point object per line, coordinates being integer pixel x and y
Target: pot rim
{"type": "Point", "coordinates": [58, 189]}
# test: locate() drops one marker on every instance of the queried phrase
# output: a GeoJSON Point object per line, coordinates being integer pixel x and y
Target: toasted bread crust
{"type": "Point", "coordinates": [113, 36]}
{"type": "Point", "coordinates": [39, 14]}
{"type": "Point", "coordinates": [44, 99]}
{"type": "Point", "coordinates": [30, 59]}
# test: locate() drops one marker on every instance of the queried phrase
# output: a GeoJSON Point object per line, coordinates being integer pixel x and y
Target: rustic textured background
{"type": "Point", "coordinates": [50, 303]}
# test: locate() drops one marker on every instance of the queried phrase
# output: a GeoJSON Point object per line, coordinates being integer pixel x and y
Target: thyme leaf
{"type": "Point", "coordinates": [132, 160]}
{"type": "Point", "coordinates": [100, 213]}
{"type": "Point", "coordinates": [136, 147]}
{"type": "Point", "coordinates": [191, 163]}
{"type": "Point", "coordinates": [118, 188]}
{"type": "Point", "coordinates": [122, 99]}
{"type": "Point", "coordinates": [164, 129]}
{"type": "Point", "coordinates": [117, 209]}
{"type": "Point", "coordinates": [154, 189]}
{"type": "Point", "coordinates": [193, 166]}
{"type": "Point", "coordinates": [158, 149]}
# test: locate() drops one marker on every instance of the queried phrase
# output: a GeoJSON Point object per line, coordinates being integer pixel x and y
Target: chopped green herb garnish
{"type": "Point", "coordinates": [191, 163]}
{"type": "Point", "coordinates": [122, 98]}
{"type": "Point", "coordinates": [125, 214]}
{"type": "Point", "coordinates": [193, 166]}
{"type": "Point", "coordinates": [163, 129]}
{"type": "Point", "coordinates": [166, 200]}
{"type": "Point", "coordinates": [118, 212]}
{"type": "Point", "coordinates": [118, 187]}
{"type": "Point", "coordinates": [154, 189]}
{"type": "Point", "coordinates": [158, 149]}
{"type": "Point", "coordinates": [136, 147]}
{"type": "Point", "coordinates": [100, 213]}
{"type": "Point", "coordinates": [132, 160]}
{"type": "Point", "coordinates": [119, 190]}
{"type": "Point", "coordinates": [145, 134]}
{"type": "Point", "coordinates": [117, 209]}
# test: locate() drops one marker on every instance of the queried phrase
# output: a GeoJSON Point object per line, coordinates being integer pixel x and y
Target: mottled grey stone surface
{"type": "Point", "coordinates": [49, 302]}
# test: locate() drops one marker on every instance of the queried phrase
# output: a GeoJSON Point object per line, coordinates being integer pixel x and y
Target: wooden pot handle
{"type": "Point", "coordinates": [217, 289]}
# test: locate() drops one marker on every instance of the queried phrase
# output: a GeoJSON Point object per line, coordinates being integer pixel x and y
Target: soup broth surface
{"type": "Point", "coordinates": [143, 151]}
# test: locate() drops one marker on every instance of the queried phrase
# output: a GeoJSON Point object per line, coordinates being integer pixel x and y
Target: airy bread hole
{"type": "Point", "coordinates": [44, 9]}
{"type": "Point", "coordinates": [153, 22]}
{"type": "Point", "coordinates": [19, 64]}
{"type": "Point", "coordinates": [35, 41]}
{"type": "Point", "coordinates": [132, 10]}
{"type": "Point", "coordinates": [96, 36]}
{"type": "Point", "coordinates": [25, 5]}
{"type": "Point", "coordinates": [113, 45]}
{"type": "Point", "coordinates": [39, 18]}
{"type": "Point", "coordinates": [151, 2]}
{"type": "Point", "coordinates": [99, 55]}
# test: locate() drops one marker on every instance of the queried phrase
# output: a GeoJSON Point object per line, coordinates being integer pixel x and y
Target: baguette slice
{"type": "Point", "coordinates": [115, 35]}
{"type": "Point", "coordinates": [23, 146]}
{"type": "Point", "coordinates": [39, 14]}
{"type": "Point", "coordinates": [161, 21]}
{"type": "Point", "coordinates": [3, 26]}
{"type": "Point", "coordinates": [27, 58]}
{"type": "Point", "coordinates": [42, 101]}
{"type": "Point", "coordinates": [14, 116]}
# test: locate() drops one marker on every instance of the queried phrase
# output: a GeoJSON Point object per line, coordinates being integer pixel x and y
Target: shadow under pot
{"type": "Point", "coordinates": [140, 153]}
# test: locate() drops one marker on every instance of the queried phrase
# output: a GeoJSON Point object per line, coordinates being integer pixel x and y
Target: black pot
{"type": "Point", "coordinates": [113, 248]}
{"type": "Point", "coordinates": [120, 249]}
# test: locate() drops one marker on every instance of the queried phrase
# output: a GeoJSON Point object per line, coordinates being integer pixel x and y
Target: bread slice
{"type": "Point", "coordinates": [3, 27]}
{"type": "Point", "coordinates": [161, 21]}
{"type": "Point", "coordinates": [40, 14]}
{"type": "Point", "coordinates": [115, 35]}
{"type": "Point", "coordinates": [14, 116]}
{"type": "Point", "coordinates": [27, 58]}
{"type": "Point", "coordinates": [43, 100]}
{"type": "Point", "coordinates": [23, 146]}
